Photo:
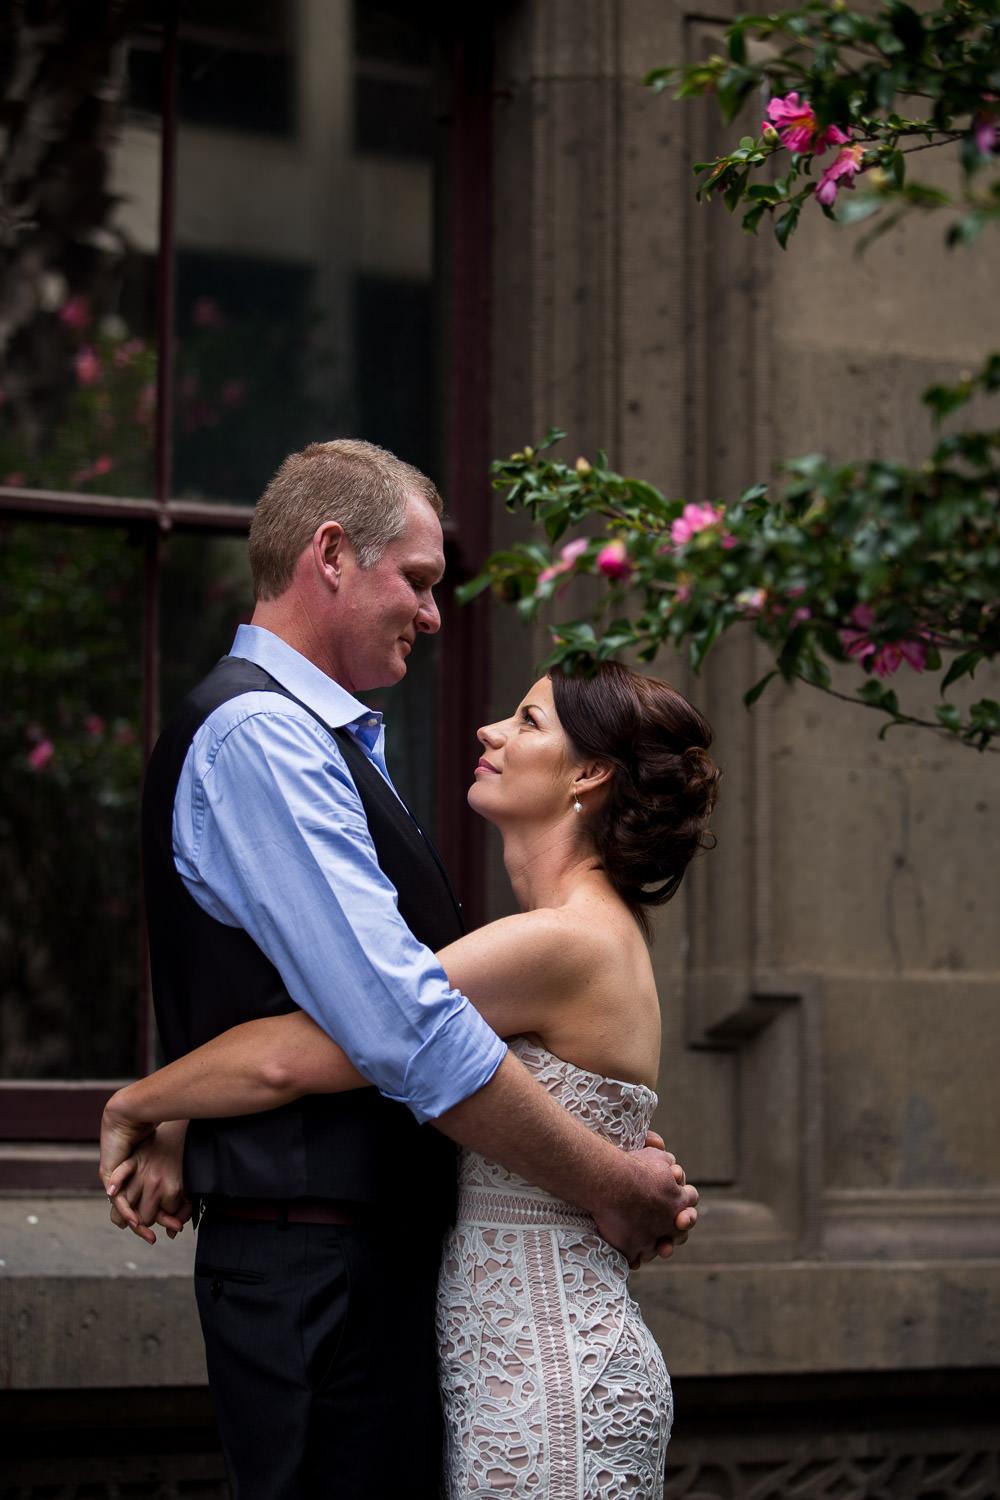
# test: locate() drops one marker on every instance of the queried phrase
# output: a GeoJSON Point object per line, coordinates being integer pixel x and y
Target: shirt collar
{"type": "Point", "coordinates": [334, 705]}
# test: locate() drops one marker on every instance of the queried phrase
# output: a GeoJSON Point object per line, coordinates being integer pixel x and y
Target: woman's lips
{"type": "Point", "coordinates": [486, 769]}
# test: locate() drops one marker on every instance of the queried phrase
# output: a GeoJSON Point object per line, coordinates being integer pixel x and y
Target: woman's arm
{"type": "Point", "coordinates": [244, 1071]}
{"type": "Point", "coordinates": [517, 970]}
{"type": "Point", "coordinates": [514, 970]}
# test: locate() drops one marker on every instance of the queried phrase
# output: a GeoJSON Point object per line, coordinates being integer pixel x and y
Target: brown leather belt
{"type": "Point", "coordinates": [291, 1211]}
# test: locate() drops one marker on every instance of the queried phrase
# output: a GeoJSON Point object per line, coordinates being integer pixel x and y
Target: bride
{"type": "Point", "coordinates": [552, 1386]}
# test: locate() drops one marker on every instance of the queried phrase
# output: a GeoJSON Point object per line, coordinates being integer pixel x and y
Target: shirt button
{"type": "Point", "coordinates": [373, 723]}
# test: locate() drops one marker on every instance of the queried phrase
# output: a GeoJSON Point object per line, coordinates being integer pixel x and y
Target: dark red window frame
{"type": "Point", "coordinates": [43, 1124]}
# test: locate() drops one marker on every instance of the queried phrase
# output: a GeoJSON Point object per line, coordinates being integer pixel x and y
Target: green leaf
{"type": "Point", "coordinates": [467, 591]}
{"type": "Point", "coordinates": [752, 694]}
{"type": "Point", "coordinates": [963, 666]}
{"type": "Point", "coordinates": [855, 210]}
{"type": "Point", "coordinates": [949, 717]}
{"type": "Point", "coordinates": [785, 225]}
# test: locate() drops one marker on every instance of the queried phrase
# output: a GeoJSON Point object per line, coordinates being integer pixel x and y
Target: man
{"type": "Point", "coordinates": [282, 870]}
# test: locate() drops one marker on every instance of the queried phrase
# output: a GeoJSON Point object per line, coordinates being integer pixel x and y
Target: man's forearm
{"type": "Point", "coordinates": [514, 1121]}
{"type": "Point", "coordinates": [639, 1200]}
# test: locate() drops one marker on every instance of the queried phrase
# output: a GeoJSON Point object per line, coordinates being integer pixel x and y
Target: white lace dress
{"type": "Point", "coordinates": [553, 1386]}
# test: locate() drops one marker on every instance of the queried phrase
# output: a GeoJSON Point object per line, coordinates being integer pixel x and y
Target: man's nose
{"type": "Point", "coordinates": [428, 616]}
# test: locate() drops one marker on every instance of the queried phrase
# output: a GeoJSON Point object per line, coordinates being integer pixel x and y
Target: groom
{"type": "Point", "coordinates": [282, 870]}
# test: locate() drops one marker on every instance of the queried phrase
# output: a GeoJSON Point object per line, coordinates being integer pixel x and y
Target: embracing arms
{"type": "Point", "coordinates": [518, 969]}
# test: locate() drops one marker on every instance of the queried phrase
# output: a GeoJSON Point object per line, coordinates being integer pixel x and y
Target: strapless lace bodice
{"type": "Point", "coordinates": [553, 1387]}
{"type": "Point", "coordinates": [619, 1111]}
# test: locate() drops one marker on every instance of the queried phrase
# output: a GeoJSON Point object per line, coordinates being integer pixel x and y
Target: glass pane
{"type": "Point", "coordinates": [206, 592]}
{"type": "Point", "coordinates": [305, 271]}
{"type": "Point", "coordinates": [70, 667]}
{"type": "Point", "coordinates": [81, 194]}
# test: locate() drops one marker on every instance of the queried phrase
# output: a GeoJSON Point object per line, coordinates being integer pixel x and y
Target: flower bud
{"type": "Point", "coordinates": [529, 453]}
{"type": "Point", "coordinates": [769, 133]}
{"type": "Point", "coordinates": [614, 562]}
{"type": "Point", "coordinates": [583, 468]}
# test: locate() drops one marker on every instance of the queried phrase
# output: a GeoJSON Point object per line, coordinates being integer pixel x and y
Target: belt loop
{"type": "Point", "coordinates": [282, 1215]}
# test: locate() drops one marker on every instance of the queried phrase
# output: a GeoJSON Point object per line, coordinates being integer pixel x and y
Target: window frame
{"type": "Point", "coordinates": [47, 1127]}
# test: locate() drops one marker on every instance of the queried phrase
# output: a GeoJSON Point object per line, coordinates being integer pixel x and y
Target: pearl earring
{"type": "Point", "coordinates": [577, 805]}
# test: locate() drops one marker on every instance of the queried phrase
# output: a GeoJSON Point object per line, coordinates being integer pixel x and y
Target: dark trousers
{"type": "Point", "coordinates": [321, 1359]}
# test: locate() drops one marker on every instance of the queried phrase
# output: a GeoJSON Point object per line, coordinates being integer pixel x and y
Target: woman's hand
{"type": "Point", "coordinates": [141, 1168]}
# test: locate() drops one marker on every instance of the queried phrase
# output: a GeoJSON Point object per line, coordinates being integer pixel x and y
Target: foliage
{"type": "Point", "coordinates": [867, 562]}
{"type": "Point", "coordinates": [837, 77]}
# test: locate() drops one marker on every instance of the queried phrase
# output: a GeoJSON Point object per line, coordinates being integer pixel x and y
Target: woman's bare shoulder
{"type": "Point", "coordinates": [560, 945]}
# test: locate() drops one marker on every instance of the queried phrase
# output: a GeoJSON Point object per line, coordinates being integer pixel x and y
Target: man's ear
{"type": "Point", "coordinates": [328, 546]}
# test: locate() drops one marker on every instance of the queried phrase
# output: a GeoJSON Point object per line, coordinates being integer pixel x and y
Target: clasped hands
{"type": "Point", "coordinates": [142, 1172]}
{"type": "Point", "coordinates": [141, 1169]}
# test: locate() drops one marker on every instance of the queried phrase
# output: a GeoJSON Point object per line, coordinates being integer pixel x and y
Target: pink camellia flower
{"type": "Point", "coordinates": [614, 562]}
{"type": "Point", "coordinates": [984, 132]}
{"type": "Point", "coordinates": [692, 519]}
{"type": "Point", "coordinates": [126, 353]}
{"type": "Point", "coordinates": [567, 557]}
{"type": "Point", "coordinates": [858, 643]}
{"type": "Point", "coordinates": [794, 120]}
{"type": "Point", "coordinates": [884, 659]}
{"type": "Point", "coordinates": [39, 755]}
{"type": "Point", "coordinates": [798, 128]}
{"type": "Point", "coordinates": [88, 366]}
{"type": "Point", "coordinates": [93, 726]}
{"type": "Point", "coordinates": [840, 173]}
{"type": "Point", "coordinates": [75, 313]}
{"type": "Point", "coordinates": [101, 466]}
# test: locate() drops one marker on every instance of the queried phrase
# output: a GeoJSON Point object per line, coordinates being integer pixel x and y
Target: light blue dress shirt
{"type": "Point", "coordinates": [270, 835]}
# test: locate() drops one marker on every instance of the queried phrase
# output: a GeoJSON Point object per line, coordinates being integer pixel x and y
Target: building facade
{"type": "Point", "coordinates": [448, 231]}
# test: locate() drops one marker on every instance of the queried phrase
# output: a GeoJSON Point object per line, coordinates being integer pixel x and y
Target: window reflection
{"type": "Point", "coordinates": [77, 364]}
{"type": "Point", "coordinates": [305, 255]}
{"type": "Point", "coordinates": [70, 761]}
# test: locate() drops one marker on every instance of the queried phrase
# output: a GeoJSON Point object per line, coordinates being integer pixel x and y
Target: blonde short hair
{"type": "Point", "coordinates": [362, 486]}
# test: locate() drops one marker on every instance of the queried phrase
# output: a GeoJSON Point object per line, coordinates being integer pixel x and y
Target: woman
{"type": "Point", "coordinates": [601, 787]}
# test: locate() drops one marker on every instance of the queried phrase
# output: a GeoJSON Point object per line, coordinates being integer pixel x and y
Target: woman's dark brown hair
{"type": "Point", "coordinates": [655, 815]}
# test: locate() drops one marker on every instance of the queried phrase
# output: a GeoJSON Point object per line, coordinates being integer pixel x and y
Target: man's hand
{"type": "Point", "coordinates": [657, 1207]}
{"type": "Point", "coordinates": [141, 1172]}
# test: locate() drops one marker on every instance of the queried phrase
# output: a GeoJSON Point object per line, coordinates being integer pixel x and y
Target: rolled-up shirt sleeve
{"type": "Point", "coordinates": [270, 835]}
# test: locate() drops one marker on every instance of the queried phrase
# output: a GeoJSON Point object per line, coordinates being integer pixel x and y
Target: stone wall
{"type": "Point", "coordinates": [830, 974]}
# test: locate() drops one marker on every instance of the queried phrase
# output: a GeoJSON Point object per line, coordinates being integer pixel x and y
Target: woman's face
{"type": "Point", "coordinates": [527, 768]}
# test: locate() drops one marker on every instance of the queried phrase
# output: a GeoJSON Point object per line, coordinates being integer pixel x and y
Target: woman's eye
{"type": "Point", "coordinates": [527, 719]}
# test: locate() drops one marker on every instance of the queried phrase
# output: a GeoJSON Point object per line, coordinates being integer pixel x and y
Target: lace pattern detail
{"type": "Point", "coordinates": [553, 1386]}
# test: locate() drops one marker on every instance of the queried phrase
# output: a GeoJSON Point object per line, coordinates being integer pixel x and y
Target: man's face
{"type": "Point", "coordinates": [383, 609]}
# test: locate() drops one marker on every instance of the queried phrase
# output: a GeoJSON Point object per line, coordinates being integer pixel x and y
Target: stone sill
{"type": "Point", "coordinates": [83, 1305]}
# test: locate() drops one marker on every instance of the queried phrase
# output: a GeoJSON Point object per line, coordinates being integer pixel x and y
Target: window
{"type": "Point", "coordinates": [234, 244]}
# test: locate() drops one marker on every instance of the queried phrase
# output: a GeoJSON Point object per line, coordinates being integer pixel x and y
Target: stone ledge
{"type": "Point", "coordinates": [85, 1306]}
{"type": "Point", "coordinates": [823, 1316]}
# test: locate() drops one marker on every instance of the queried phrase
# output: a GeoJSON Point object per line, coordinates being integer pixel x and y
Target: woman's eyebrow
{"type": "Point", "coordinates": [536, 706]}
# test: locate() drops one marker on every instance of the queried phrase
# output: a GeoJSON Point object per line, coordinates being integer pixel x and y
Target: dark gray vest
{"type": "Point", "coordinates": [208, 977]}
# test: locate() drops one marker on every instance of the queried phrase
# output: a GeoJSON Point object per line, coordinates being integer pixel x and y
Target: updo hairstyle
{"type": "Point", "coordinates": [655, 814]}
